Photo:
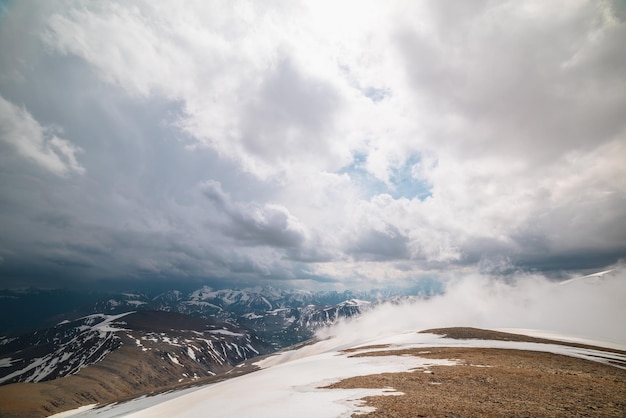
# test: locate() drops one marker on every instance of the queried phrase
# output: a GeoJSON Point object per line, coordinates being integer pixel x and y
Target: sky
{"type": "Point", "coordinates": [321, 144]}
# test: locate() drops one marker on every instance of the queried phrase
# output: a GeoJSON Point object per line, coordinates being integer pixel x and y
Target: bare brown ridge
{"type": "Point", "coordinates": [491, 382]}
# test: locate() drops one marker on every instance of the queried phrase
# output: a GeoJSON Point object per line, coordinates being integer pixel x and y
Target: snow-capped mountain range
{"type": "Point", "coordinates": [281, 317]}
{"type": "Point", "coordinates": [202, 332]}
{"type": "Point", "coordinates": [230, 303]}
{"type": "Point", "coordinates": [290, 315]}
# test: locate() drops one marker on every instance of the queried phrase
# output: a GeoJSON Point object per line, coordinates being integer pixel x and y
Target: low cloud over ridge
{"type": "Point", "coordinates": [583, 307]}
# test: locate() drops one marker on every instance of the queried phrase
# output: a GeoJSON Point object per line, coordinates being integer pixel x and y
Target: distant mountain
{"type": "Point", "coordinates": [180, 347]}
{"type": "Point", "coordinates": [288, 326]}
{"type": "Point", "coordinates": [230, 303]}
{"type": "Point", "coordinates": [281, 317]}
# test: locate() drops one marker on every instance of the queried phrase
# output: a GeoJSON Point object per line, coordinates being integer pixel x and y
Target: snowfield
{"type": "Point", "coordinates": [288, 384]}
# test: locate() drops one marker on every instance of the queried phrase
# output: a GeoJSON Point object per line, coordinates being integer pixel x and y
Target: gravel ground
{"type": "Point", "coordinates": [495, 383]}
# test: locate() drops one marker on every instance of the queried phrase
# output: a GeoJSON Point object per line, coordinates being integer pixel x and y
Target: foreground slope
{"type": "Point", "coordinates": [464, 372]}
{"type": "Point", "coordinates": [501, 381]}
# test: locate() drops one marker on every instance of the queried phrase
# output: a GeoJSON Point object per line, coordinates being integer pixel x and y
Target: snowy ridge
{"type": "Point", "coordinates": [291, 381]}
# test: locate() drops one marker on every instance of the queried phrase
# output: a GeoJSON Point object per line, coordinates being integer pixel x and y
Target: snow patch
{"type": "Point", "coordinates": [7, 362]}
{"type": "Point", "coordinates": [174, 359]}
{"type": "Point", "coordinates": [291, 389]}
{"type": "Point", "coordinates": [252, 316]}
{"type": "Point", "coordinates": [73, 412]}
{"type": "Point", "coordinates": [226, 332]}
{"type": "Point", "coordinates": [6, 340]}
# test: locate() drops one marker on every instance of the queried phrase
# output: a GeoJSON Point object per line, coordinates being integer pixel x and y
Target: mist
{"type": "Point", "coordinates": [591, 307]}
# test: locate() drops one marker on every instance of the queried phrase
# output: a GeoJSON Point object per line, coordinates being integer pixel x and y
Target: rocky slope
{"type": "Point", "coordinates": [182, 347]}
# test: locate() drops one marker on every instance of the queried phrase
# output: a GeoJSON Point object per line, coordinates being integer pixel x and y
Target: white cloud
{"type": "Point", "coordinates": [360, 141]}
{"type": "Point", "coordinates": [581, 308]}
{"type": "Point", "coordinates": [37, 143]}
{"type": "Point", "coordinates": [245, 87]}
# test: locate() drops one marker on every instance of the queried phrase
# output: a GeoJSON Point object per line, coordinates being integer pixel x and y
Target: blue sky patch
{"type": "Point", "coordinates": [401, 181]}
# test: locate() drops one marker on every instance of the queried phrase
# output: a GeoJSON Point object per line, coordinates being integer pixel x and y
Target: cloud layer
{"type": "Point", "coordinates": [360, 143]}
{"type": "Point", "coordinates": [587, 307]}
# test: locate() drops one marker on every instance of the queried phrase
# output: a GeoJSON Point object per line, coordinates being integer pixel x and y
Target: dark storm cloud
{"type": "Point", "coordinates": [353, 145]}
{"type": "Point", "coordinates": [253, 224]}
{"type": "Point", "coordinates": [374, 245]}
